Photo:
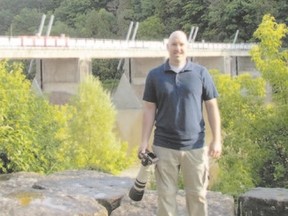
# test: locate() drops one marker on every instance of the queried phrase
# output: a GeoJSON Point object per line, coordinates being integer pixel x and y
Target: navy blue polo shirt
{"type": "Point", "coordinates": [179, 97]}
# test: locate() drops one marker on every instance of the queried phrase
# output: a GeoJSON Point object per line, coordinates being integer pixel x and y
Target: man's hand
{"type": "Point", "coordinates": [215, 149]}
{"type": "Point", "coordinates": [143, 148]}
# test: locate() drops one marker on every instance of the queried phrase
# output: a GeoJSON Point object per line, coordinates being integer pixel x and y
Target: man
{"type": "Point", "coordinates": [173, 97]}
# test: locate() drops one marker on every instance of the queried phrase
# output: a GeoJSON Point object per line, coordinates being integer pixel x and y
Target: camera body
{"type": "Point", "coordinates": [147, 158]}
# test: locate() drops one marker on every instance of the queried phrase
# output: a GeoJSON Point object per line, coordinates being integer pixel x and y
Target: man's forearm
{"type": "Point", "coordinates": [149, 110]}
{"type": "Point", "coordinates": [214, 119]}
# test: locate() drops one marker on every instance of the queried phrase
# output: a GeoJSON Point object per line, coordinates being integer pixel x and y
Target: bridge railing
{"type": "Point", "coordinates": [88, 43]}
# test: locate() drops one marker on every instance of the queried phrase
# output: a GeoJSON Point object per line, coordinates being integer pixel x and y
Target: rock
{"type": "Point", "coordinates": [63, 194]}
{"type": "Point", "coordinates": [218, 205]}
{"type": "Point", "coordinates": [264, 202]}
{"type": "Point", "coordinates": [85, 193]}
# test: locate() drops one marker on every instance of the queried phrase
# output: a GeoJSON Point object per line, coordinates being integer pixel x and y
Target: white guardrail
{"type": "Point", "coordinates": [87, 43]}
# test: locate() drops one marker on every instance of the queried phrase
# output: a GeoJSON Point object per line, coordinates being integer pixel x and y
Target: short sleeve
{"type": "Point", "coordinates": [209, 88]}
{"type": "Point", "coordinates": [149, 90]}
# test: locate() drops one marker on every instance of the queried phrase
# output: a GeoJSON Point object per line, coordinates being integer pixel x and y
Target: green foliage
{"type": "Point", "coordinates": [94, 143]}
{"type": "Point", "coordinates": [151, 28]}
{"type": "Point", "coordinates": [69, 10]}
{"type": "Point", "coordinates": [62, 28]}
{"type": "Point", "coordinates": [225, 17]}
{"type": "Point", "coordinates": [271, 61]}
{"type": "Point", "coordinates": [195, 13]}
{"type": "Point", "coordinates": [28, 125]}
{"type": "Point", "coordinates": [255, 139]}
{"type": "Point", "coordinates": [240, 102]}
{"type": "Point", "coordinates": [269, 57]}
{"type": "Point", "coordinates": [272, 136]}
{"type": "Point", "coordinates": [124, 15]}
{"type": "Point", "coordinates": [143, 9]}
{"type": "Point", "coordinates": [106, 27]}
{"type": "Point", "coordinates": [106, 69]}
{"type": "Point", "coordinates": [40, 137]}
{"type": "Point", "coordinates": [217, 20]}
{"type": "Point", "coordinates": [6, 19]}
{"type": "Point", "coordinates": [169, 12]}
{"type": "Point", "coordinates": [26, 22]}
{"type": "Point", "coordinates": [240, 97]}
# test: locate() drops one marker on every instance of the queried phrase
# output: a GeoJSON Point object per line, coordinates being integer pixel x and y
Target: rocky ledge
{"type": "Point", "coordinates": [85, 193]}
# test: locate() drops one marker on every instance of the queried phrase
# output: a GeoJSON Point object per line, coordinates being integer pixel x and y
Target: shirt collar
{"type": "Point", "coordinates": [186, 68]}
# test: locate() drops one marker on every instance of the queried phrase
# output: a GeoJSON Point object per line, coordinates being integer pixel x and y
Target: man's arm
{"type": "Point", "coordinates": [215, 147]}
{"type": "Point", "coordinates": [149, 110]}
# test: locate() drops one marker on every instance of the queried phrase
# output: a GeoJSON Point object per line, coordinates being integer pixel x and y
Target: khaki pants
{"type": "Point", "coordinates": [194, 167]}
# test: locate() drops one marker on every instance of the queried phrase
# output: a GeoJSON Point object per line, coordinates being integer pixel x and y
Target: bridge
{"type": "Point", "coordinates": [28, 47]}
{"type": "Point", "coordinates": [63, 62]}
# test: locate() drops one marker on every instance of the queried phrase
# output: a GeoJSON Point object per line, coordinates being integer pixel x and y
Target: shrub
{"type": "Point", "coordinates": [93, 141]}
{"type": "Point", "coordinates": [240, 102]}
{"type": "Point", "coordinates": [255, 144]}
{"type": "Point", "coordinates": [40, 137]}
{"type": "Point", "coordinates": [28, 125]}
{"type": "Point", "coordinates": [272, 136]}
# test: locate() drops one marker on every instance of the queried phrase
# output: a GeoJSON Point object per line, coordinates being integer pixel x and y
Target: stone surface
{"type": "Point", "coordinates": [264, 202]}
{"type": "Point", "coordinates": [62, 194]}
{"type": "Point", "coordinates": [218, 205]}
{"type": "Point", "coordinates": [85, 193]}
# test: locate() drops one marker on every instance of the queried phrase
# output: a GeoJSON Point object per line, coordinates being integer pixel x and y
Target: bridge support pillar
{"type": "Point", "coordinates": [136, 71]}
{"type": "Point", "coordinates": [228, 65]}
{"type": "Point", "coordinates": [59, 78]}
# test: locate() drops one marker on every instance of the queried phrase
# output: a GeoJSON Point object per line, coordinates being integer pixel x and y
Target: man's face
{"type": "Point", "coordinates": [177, 47]}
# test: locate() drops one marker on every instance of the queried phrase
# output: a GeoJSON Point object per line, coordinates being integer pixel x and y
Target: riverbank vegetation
{"type": "Point", "coordinates": [37, 136]}
{"type": "Point", "coordinates": [255, 125]}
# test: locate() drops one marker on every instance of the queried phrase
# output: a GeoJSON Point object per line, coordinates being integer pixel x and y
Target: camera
{"type": "Point", "coordinates": [147, 158]}
{"type": "Point", "coordinates": [137, 190]}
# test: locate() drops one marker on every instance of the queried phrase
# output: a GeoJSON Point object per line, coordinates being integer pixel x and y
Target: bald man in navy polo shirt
{"type": "Point", "coordinates": [173, 102]}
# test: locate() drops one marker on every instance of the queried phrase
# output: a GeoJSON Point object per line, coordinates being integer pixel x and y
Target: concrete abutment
{"type": "Point", "coordinates": [59, 78]}
{"type": "Point", "coordinates": [136, 70]}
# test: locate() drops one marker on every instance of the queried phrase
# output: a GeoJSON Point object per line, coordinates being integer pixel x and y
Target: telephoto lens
{"type": "Point", "coordinates": [137, 190]}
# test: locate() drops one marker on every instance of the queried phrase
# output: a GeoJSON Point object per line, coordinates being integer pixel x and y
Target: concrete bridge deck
{"type": "Point", "coordinates": [41, 47]}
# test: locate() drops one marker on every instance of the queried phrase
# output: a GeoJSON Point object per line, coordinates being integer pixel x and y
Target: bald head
{"type": "Point", "coordinates": [177, 48]}
{"type": "Point", "coordinates": [180, 35]}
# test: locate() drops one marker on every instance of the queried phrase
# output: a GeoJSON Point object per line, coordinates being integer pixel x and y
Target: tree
{"type": "Point", "coordinates": [143, 9]}
{"type": "Point", "coordinates": [270, 58]}
{"type": "Point", "coordinates": [32, 131]}
{"type": "Point", "coordinates": [226, 17]}
{"type": "Point", "coordinates": [93, 142]}
{"type": "Point", "coordinates": [105, 69]}
{"type": "Point", "coordinates": [252, 127]}
{"type": "Point", "coordinates": [151, 28]}
{"type": "Point", "coordinates": [60, 28]}
{"type": "Point", "coordinates": [36, 136]}
{"type": "Point", "coordinates": [101, 24]}
{"type": "Point", "coordinates": [169, 12]}
{"type": "Point", "coordinates": [272, 137]}
{"type": "Point", "coordinates": [195, 14]}
{"type": "Point", "coordinates": [14, 8]}
{"type": "Point", "coordinates": [27, 22]}
{"type": "Point", "coordinates": [69, 10]}
{"type": "Point", "coordinates": [6, 20]}
{"type": "Point", "coordinates": [240, 102]}
{"type": "Point", "coordinates": [124, 17]}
